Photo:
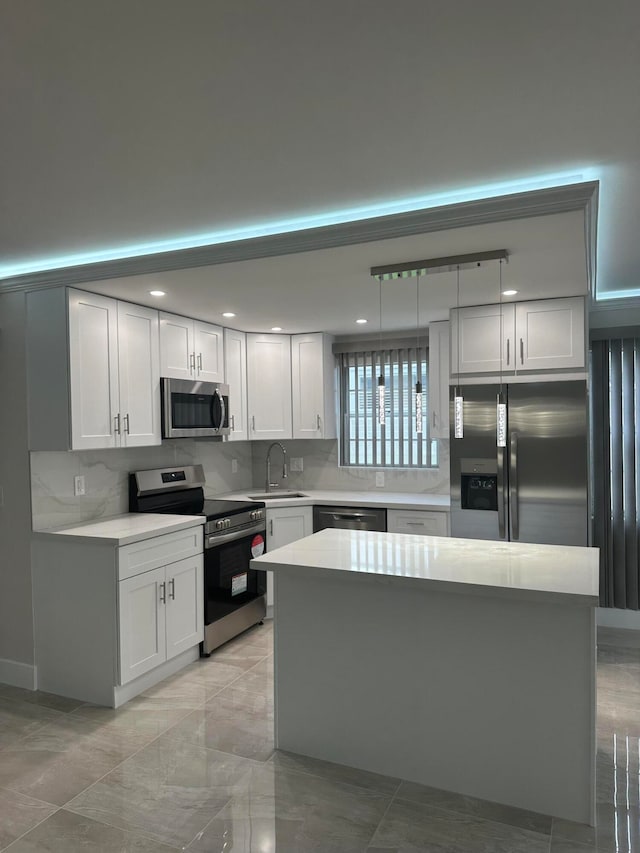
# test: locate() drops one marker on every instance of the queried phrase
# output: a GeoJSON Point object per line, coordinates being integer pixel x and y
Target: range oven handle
{"type": "Point", "coordinates": [212, 540]}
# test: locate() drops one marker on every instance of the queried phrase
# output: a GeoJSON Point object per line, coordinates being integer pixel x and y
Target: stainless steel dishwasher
{"type": "Point", "coordinates": [349, 518]}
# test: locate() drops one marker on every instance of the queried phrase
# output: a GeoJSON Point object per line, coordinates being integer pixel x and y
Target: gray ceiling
{"type": "Point", "coordinates": [126, 122]}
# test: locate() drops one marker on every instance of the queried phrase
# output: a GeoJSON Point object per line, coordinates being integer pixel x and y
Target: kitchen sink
{"type": "Point", "coordinates": [270, 496]}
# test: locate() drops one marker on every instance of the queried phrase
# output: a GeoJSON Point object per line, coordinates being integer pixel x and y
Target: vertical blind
{"type": "Point", "coordinates": [364, 442]}
{"type": "Point", "coordinates": [616, 474]}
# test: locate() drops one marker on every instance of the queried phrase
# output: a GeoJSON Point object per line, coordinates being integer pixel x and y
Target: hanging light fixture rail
{"type": "Point", "coordinates": [451, 263]}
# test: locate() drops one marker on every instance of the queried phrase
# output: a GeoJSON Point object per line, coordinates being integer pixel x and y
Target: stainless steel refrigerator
{"type": "Point", "coordinates": [534, 489]}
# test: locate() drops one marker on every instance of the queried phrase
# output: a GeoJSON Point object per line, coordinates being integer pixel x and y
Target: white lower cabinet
{"type": "Point", "coordinates": [285, 525]}
{"type": "Point", "coordinates": [161, 613]}
{"type": "Point", "coordinates": [113, 621]}
{"type": "Point", "coordinates": [418, 522]}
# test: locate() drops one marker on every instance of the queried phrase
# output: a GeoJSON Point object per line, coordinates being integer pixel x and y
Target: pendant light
{"type": "Point", "coordinates": [501, 410]}
{"type": "Point", "coordinates": [458, 402]}
{"type": "Point", "coordinates": [381, 388]}
{"type": "Point", "coordinates": [418, 391]}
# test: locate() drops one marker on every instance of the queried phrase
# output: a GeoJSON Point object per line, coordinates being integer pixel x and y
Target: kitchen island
{"type": "Point", "coordinates": [460, 664]}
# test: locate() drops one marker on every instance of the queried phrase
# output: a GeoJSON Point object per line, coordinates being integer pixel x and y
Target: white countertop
{"type": "Point", "coordinates": [390, 500]}
{"type": "Point", "coordinates": [125, 529]}
{"type": "Point", "coordinates": [508, 569]}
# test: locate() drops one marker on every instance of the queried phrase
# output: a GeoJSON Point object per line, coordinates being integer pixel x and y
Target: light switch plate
{"type": "Point", "coordinates": [379, 479]}
{"type": "Point", "coordinates": [297, 463]}
{"type": "Point", "coordinates": [78, 485]}
{"type": "Point", "coordinates": [234, 466]}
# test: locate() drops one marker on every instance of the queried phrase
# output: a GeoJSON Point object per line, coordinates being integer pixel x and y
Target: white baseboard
{"type": "Point", "coordinates": [613, 617]}
{"type": "Point", "coordinates": [18, 674]}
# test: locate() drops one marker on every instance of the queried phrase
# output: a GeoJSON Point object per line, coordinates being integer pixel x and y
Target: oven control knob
{"type": "Point", "coordinates": [227, 522]}
{"type": "Point", "coordinates": [220, 524]}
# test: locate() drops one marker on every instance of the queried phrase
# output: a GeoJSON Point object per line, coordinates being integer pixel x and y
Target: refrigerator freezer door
{"type": "Point", "coordinates": [548, 456]}
{"type": "Point", "coordinates": [477, 449]}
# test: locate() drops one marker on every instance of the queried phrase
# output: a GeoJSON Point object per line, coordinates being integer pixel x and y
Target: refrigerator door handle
{"type": "Point", "coordinates": [513, 486]}
{"type": "Point", "coordinates": [502, 497]}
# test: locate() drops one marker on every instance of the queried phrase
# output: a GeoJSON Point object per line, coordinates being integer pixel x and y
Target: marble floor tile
{"type": "Point", "coordinates": [60, 760]}
{"type": "Point", "coordinates": [339, 773]}
{"type": "Point", "coordinates": [410, 827]}
{"type": "Point", "coordinates": [169, 790]}
{"type": "Point", "coordinates": [137, 720]}
{"type": "Point", "coordinates": [256, 680]}
{"type": "Point", "coordinates": [211, 673]}
{"type": "Point", "coordinates": [471, 806]}
{"type": "Point", "coordinates": [234, 721]}
{"type": "Point", "coordinates": [617, 830]}
{"type": "Point", "coordinates": [183, 690]}
{"type": "Point", "coordinates": [19, 719]}
{"type": "Point", "coordinates": [289, 811]}
{"type": "Point", "coordinates": [243, 655]}
{"type": "Point", "coordinates": [562, 845]}
{"type": "Point", "coordinates": [65, 832]}
{"type": "Point", "coordinates": [18, 814]}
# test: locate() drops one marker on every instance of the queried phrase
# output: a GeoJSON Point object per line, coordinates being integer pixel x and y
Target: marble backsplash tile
{"type": "Point", "coordinates": [106, 474]}
{"type": "Point", "coordinates": [53, 503]}
{"type": "Point", "coordinates": [321, 470]}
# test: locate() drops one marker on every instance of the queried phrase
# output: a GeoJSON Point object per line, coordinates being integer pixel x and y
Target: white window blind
{"type": "Point", "coordinates": [396, 444]}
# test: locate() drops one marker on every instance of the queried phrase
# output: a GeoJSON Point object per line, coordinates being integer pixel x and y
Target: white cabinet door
{"type": "Point", "coordinates": [185, 605]}
{"type": "Point", "coordinates": [285, 525]}
{"type": "Point", "coordinates": [419, 522]}
{"type": "Point", "coordinates": [480, 336]}
{"type": "Point", "coordinates": [139, 375]}
{"type": "Point", "coordinates": [550, 334]}
{"type": "Point", "coordinates": [312, 386]}
{"type": "Point", "coordinates": [235, 365]}
{"type": "Point", "coordinates": [269, 386]}
{"type": "Point", "coordinates": [93, 370]}
{"type": "Point", "coordinates": [177, 355]}
{"type": "Point", "coordinates": [438, 386]}
{"type": "Point", "coordinates": [208, 351]}
{"type": "Point", "coordinates": [141, 629]}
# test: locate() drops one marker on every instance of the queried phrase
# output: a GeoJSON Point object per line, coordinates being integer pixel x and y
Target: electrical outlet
{"type": "Point", "coordinates": [379, 479]}
{"type": "Point", "coordinates": [234, 466]}
{"type": "Point", "coordinates": [297, 463]}
{"type": "Point", "coordinates": [78, 485]}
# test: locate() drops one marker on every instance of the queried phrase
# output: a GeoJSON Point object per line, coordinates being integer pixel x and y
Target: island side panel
{"type": "Point", "coordinates": [493, 698]}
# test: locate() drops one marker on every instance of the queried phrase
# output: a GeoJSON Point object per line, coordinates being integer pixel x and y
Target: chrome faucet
{"type": "Point", "coordinates": [269, 484]}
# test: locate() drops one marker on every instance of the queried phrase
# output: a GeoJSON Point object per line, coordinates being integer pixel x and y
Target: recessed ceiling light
{"type": "Point", "coordinates": [361, 320]}
{"type": "Point", "coordinates": [276, 328]}
{"type": "Point", "coordinates": [228, 314]}
{"type": "Point", "coordinates": [509, 292]}
{"type": "Point", "coordinates": [157, 293]}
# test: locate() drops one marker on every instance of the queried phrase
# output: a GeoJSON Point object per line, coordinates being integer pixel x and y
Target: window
{"type": "Point", "coordinates": [396, 445]}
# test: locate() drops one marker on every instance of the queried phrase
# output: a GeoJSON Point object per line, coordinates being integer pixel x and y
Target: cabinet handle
{"type": "Point", "coordinates": [163, 593]}
{"type": "Point", "coordinates": [433, 418]}
{"type": "Point", "coordinates": [199, 362]}
{"type": "Point", "coordinates": [192, 362]}
{"type": "Point", "coordinates": [521, 351]}
{"type": "Point", "coordinates": [126, 423]}
{"type": "Point", "coordinates": [233, 423]}
{"type": "Point", "coordinates": [116, 424]}
{"type": "Point", "coordinates": [271, 527]}
{"type": "Point", "coordinates": [253, 422]}
{"type": "Point", "coordinates": [508, 342]}
{"type": "Point", "coordinates": [318, 422]}
{"type": "Point", "coordinates": [172, 589]}
{"type": "Point", "coordinates": [414, 523]}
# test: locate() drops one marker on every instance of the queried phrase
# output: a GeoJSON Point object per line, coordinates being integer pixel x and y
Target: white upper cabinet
{"type": "Point", "coordinates": [532, 337]}
{"type": "Point", "coordinates": [209, 351]}
{"type": "Point", "coordinates": [438, 387]}
{"type": "Point", "coordinates": [269, 386]}
{"type": "Point", "coordinates": [235, 361]}
{"type": "Point", "coordinates": [480, 336]}
{"type": "Point", "coordinates": [190, 349]}
{"type": "Point", "coordinates": [550, 334]}
{"type": "Point", "coordinates": [313, 386]}
{"type": "Point", "coordinates": [139, 375]}
{"type": "Point", "coordinates": [93, 372]}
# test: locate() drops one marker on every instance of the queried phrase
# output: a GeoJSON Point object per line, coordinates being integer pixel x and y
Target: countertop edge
{"type": "Point", "coordinates": [327, 497]}
{"type": "Point", "coordinates": [73, 533]}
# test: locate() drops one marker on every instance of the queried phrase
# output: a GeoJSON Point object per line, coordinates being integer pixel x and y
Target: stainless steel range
{"type": "Point", "coordinates": [234, 532]}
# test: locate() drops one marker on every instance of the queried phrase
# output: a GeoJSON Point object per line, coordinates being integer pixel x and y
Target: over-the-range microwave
{"type": "Point", "coordinates": [192, 409]}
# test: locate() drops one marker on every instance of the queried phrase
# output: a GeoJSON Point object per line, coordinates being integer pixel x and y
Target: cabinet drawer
{"type": "Point", "coordinates": [158, 551]}
{"type": "Point", "coordinates": [418, 522]}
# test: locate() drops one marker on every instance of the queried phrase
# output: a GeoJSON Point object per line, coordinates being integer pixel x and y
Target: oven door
{"type": "Point", "coordinates": [194, 409]}
{"type": "Point", "coordinates": [229, 583]}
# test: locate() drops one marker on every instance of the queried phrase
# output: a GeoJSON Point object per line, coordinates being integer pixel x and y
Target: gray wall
{"type": "Point", "coordinates": [16, 619]}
